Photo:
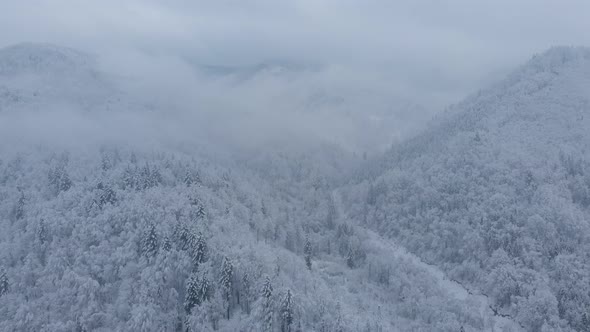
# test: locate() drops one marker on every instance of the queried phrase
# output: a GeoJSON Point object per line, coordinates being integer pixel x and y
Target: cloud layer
{"type": "Point", "coordinates": [408, 58]}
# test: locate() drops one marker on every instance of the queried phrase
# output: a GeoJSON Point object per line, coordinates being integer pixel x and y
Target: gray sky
{"type": "Point", "coordinates": [437, 47]}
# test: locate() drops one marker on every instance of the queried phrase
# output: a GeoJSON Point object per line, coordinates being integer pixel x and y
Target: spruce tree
{"type": "Point", "coordinates": [167, 244]}
{"type": "Point", "coordinates": [331, 216]}
{"type": "Point", "coordinates": [130, 178]}
{"type": "Point", "coordinates": [201, 214]}
{"type": "Point", "coordinates": [199, 250]}
{"type": "Point", "coordinates": [184, 236]}
{"type": "Point", "coordinates": [307, 251]}
{"type": "Point", "coordinates": [267, 310]}
{"type": "Point", "coordinates": [188, 178]}
{"type": "Point", "coordinates": [287, 312]}
{"type": "Point", "coordinates": [197, 291]}
{"type": "Point", "coordinates": [59, 179]}
{"type": "Point", "coordinates": [226, 283]}
{"type": "Point", "coordinates": [150, 242]}
{"type": "Point", "coordinates": [350, 258]}
{"type": "Point", "coordinates": [3, 283]}
{"type": "Point", "coordinates": [19, 210]}
{"type": "Point", "coordinates": [246, 292]}
{"type": "Point", "coordinates": [42, 232]}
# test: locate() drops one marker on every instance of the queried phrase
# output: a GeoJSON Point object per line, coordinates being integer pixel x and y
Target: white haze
{"type": "Point", "coordinates": [360, 75]}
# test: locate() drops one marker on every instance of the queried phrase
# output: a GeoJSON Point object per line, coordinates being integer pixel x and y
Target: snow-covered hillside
{"type": "Point", "coordinates": [497, 192]}
{"type": "Point", "coordinates": [139, 219]}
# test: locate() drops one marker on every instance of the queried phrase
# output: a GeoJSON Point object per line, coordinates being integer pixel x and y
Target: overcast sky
{"type": "Point", "coordinates": [435, 52]}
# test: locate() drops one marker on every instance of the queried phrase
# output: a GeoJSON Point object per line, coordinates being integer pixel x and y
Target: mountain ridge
{"type": "Point", "coordinates": [496, 192]}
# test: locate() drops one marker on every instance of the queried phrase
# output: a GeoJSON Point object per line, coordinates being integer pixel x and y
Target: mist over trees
{"type": "Point", "coordinates": [132, 222]}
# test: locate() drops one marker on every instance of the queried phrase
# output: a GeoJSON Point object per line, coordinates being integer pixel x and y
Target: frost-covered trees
{"type": "Point", "coordinates": [59, 179]}
{"type": "Point", "coordinates": [149, 177]}
{"type": "Point", "coordinates": [267, 305]}
{"type": "Point", "coordinates": [19, 208]}
{"type": "Point", "coordinates": [307, 251]}
{"type": "Point", "coordinates": [191, 177]}
{"type": "Point", "coordinates": [199, 251]}
{"type": "Point", "coordinates": [198, 290]}
{"type": "Point", "coordinates": [42, 232]}
{"type": "Point", "coordinates": [287, 312]}
{"type": "Point", "coordinates": [150, 242]}
{"type": "Point", "coordinates": [3, 282]}
{"type": "Point", "coordinates": [226, 283]}
{"type": "Point", "coordinates": [105, 195]}
{"type": "Point", "coordinates": [246, 292]}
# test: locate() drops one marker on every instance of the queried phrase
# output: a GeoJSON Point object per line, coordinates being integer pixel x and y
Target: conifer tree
{"type": "Point", "coordinates": [331, 216]}
{"type": "Point", "coordinates": [19, 209]}
{"type": "Point", "coordinates": [199, 250]}
{"type": "Point", "coordinates": [307, 251]}
{"type": "Point", "coordinates": [150, 242]}
{"type": "Point", "coordinates": [201, 214]}
{"type": "Point", "coordinates": [350, 258]}
{"type": "Point", "coordinates": [246, 292]}
{"type": "Point", "coordinates": [188, 178]}
{"type": "Point", "coordinates": [197, 291]}
{"type": "Point", "coordinates": [3, 282]}
{"type": "Point", "coordinates": [59, 179]}
{"type": "Point", "coordinates": [167, 244]}
{"type": "Point", "coordinates": [183, 236]}
{"type": "Point", "coordinates": [130, 178]}
{"type": "Point", "coordinates": [42, 233]}
{"type": "Point", "coordinates": [287, 312]}
{"type": "Point", "coordinates": [267, 306]}
{"type": "Point", "coordinates": [226, 283]}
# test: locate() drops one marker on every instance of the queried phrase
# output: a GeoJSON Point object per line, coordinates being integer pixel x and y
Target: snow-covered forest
{"type": "Point", "coordinates": [143, 192]}
{"type": "Point", "coordinates": [480, 222]}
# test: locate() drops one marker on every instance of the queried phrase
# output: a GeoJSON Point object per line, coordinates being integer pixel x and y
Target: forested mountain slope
{"type": "Point", "coordinates": [122, 227]}
{"type": "Point", "coordinates": [497, 192]}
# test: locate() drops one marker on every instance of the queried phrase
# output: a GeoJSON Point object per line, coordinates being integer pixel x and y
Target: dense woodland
{"type": "Point", "coordinates": [478, 224]}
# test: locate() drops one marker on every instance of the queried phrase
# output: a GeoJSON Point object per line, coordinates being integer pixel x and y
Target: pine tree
{"type": "Point", "coordinates": [59, 179]}
{"type": "Point", "coordinates": [184, 236]}
{"type": "Point", "coordinates": [105, 162]}
{"type": "Point", "coordinates": [190, 178]}
{"type": "Point", "coordinates": [350, 258]}
{"type": "Point", "coordinates": [246, 292]}
{"type": "Point", "coordinates": [226, 283]}
{"type": "Point", "coordinates": [339, 325]}
{"type": "Point", "coordinates": [307, 250]}
{"type": "Point", "coordinates": [155, 177]}
{"type": "Point", "coordinates": [146, 177]}
{"type": "Point", "coordinates": [331, 216]}
{"type": "Point", "coordinates": [3, 283]}
{"type": "Point", "coordinates": [167, 244]}
{"type": "Point", "coordinates": [287, 312]}
{"type": "Point", "coordinates": [42, 232]}
{"type": "Point", "coordinates": [201, 214]}
{"type": "Point", "coordinates": [130, 178]}
{"type": "Point", "coordinates": [197, 291]}
{"type": "Point", "coordinates": [19, 209]}
{"type": "Point", "coordinates": [267, 310]}
{"type": "Point", "coordinates": [106, 194]}
{"type": "Point", "coordinates": [199, 250]}
{"type": "Point", "coordinates": [150, 242]}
